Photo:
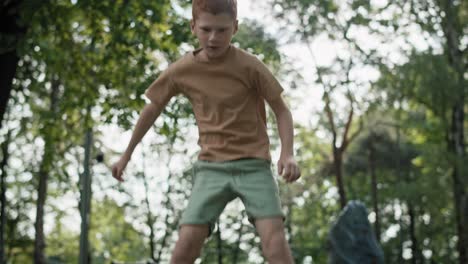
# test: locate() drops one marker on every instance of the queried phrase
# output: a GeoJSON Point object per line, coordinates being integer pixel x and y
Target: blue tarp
{"type": "Point", "coordinates": [351, 238]}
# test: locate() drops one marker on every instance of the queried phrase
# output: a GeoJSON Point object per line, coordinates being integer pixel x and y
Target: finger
{"type": "Point", "coordinates": [117, 174]}
{"type": "Point", "coordinates": [287, 172]}
{"type": "Point", "coordinates": [280, 168]}
{"type": "Point", "coordinates": [120, 178]}
{"type": "Point", "coordinates": [296, 173]}
{"type": "Point", "coordinates": [291, 174]}
{"type": "Point", "coordinates": [114, 171]}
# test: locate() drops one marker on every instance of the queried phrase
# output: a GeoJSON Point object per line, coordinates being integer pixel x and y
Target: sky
{"type": "Point", "coordinates": [307, 99]}
{"type": "Point", "coordinates": [295, 52]}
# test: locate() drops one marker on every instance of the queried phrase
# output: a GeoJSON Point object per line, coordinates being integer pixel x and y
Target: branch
{"type": "Point", "coordinates": [345, 142]}
{"type": "Point", "coordinates": [356, 133]}
{"type": "Point", "coordinates": [330, 117]}
{"type": "Point", "coordinates": [326, 96]}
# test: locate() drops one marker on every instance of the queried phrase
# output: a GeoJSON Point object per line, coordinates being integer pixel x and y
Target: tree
{"type": "Point", "coordinates": [441, 22]}
{"type": "Point", "coordinates": [422, 90]}
{"type": "Point", "coordinates": [70, 42]}
{"type": "Point", "coordinates": [3, 164]}
{"type": "Point", "coordinates": [12, 30]}
{"type": "Point", "coordinates": [338, 21]}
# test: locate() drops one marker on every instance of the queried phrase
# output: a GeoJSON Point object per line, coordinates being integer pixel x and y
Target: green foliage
{"type": "Point", "coordinates": [112, 237]}
{"type": "Point", "coordinates": [251, 36]}
{"type": "Point", "coordinates": [102, 55]}
{"type": "Point", "coordinates": [102, 52]}
{"type": "Point", "coordinates": [310, 203]}
{"type": "Point", "coordinates": [413, 80]}
{"type": "Point", "coordinates": [310, 17]}
{"type": "Point", "coordinates": [96, 56]}
{"type": "Point", "coordinates": [416, 93]}
{"type": "Point", "coordinates": [63, 246]}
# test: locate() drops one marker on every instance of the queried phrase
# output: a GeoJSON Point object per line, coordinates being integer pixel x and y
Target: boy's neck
{"type": "Point", "coordinates": [202, 56]}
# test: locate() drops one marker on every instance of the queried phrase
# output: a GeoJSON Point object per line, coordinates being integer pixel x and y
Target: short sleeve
{"type": "Point", "coordinates": [265, 83]}
{"type": "Point", "coordinates": [162, 89]}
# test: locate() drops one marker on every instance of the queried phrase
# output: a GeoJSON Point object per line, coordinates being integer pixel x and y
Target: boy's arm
{"type": "Point", "coordinates": [147, 117]}
{"type": "Point", "coordinates": [287, 165]}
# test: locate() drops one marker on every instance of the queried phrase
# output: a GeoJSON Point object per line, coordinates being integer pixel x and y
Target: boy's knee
{"type": "Point", "coordinates": [185, 252]}
{"type": "Point", "coordinates": [183, 257]}
{"type": "Point", "coordinates": [190, 243]}
{"type": "Point", "coordinates": [275, 245]}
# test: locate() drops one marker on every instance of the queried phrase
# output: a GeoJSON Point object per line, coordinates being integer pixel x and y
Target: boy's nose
{"type": "Point", "coordinates": [213, 36]}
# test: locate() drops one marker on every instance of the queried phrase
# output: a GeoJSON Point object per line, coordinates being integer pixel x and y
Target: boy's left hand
{"type": "Point", "coordinates": [288, 168]}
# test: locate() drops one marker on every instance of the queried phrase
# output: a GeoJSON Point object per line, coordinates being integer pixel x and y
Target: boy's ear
{"type": "Point", "coordinates": [192, 26]}
{"type": "Point", "coordinates": [236, 26]}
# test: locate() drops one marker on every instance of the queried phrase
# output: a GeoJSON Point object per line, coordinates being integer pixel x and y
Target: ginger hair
{"type": "Point", "coordinates": [214, 7]}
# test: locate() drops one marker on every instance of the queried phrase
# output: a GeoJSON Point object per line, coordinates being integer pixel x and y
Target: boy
{"type": "Point", "coordinates": [227, 88]}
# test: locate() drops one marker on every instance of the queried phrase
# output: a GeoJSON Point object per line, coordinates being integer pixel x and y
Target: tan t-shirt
{"type": "Point", "coordinates": [227, 96]}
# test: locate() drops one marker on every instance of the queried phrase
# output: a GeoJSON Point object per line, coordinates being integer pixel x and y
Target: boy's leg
{"type": "Point", "coordinates": [189, 244]}
{"type": "Point", "coordinates": [274, 245]}
{"type": "Point", "coordinates": [259, 192]}
{"type": "Point", "coordinates": [210, 194]}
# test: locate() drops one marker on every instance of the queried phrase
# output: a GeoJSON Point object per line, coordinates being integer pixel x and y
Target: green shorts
{"type": "Point", "coordinates": [217, 183]}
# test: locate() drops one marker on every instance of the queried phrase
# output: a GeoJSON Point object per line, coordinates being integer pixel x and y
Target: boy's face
{"type": "Point", "coordinates": [214, 32]}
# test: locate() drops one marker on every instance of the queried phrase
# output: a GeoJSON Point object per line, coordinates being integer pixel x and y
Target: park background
{"type": "Point", "coordinates": [377, 89]}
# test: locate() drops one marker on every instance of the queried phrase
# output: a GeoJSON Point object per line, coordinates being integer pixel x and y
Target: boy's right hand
{"type": "Point", "coordinates": [118, 168]}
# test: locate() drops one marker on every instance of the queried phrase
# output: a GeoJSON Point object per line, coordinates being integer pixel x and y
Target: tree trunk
{"type": "Point", "coordinates": [235, 257]}
{"type": "Point", "coordinates": [219, 244]}
{"type": "Point", "coordinates": [8, 62]}
{"type": "Point", "coordinates": [456, 143]}
{"type": "Point", "coordinates": [85, 197]}
{"type": "Point", "coordinates": [459, 186]}
{"type": "Point", "coordinates": [167, 205]}
{"type": "Point", "coordinates": [152, 247]}
{"type": "Point", "coordinates": [39, 242]}
{"type": "Point", "coordinates": [415, 259]}
{"type": "Point", "coordinates": [3, 165]}
{"type": "Point", "coordinates": [375, 203]}
{"type": "Point", "coordinates": [9, 16]}
{"type": "Point", "coordinates": [150, 221]}
{"type": "Point", "coordinates": [338, 167]}
{"type": "Point", "coordinates": [401, 238]}
{"type": "Point", "coordinates": [12, 228]}
{"type": "Point", "coordinates": [44, 170]}
{"type": "Point", "coordinates": [289, 223]}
